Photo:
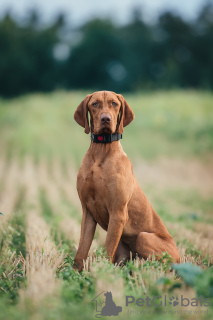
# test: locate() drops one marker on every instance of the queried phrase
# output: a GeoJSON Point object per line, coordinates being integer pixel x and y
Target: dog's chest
{"type": "Point", "coordinates": [92, 189]}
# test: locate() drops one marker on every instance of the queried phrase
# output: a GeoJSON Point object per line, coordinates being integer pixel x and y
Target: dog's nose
{"type": "Point", "coordinates": [105, 118]}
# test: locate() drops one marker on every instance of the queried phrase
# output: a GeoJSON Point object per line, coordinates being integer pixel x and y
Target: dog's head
{"type": "Point", "coordinates": [109, 113]}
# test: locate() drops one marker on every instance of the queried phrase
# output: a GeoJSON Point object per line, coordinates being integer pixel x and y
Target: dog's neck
{"type": "Point", "coordinates": [100, 151]}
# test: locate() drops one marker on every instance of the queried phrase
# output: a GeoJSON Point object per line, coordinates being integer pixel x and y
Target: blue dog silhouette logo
{"type": "Point", "coordinates": [107, 306]}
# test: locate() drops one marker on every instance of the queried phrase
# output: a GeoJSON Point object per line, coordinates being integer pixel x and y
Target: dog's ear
{"type": "Point", "coordinates": [126, 114]}
{"type": "Point", "coordinates": [81, 114]}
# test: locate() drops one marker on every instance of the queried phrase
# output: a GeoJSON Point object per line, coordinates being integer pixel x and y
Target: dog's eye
{"type": "Point", "coordinates": [114, 103]}
{"type": "Point", "coordinates": [95, 104]}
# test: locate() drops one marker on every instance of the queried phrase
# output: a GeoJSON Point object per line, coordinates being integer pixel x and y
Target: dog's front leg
{"type": "Point", "coordinates": [117, 221]}
{"type": "Point", "coordinates": [88, 226]}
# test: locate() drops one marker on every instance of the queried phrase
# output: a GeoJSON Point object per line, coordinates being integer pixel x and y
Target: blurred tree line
{"type": "Point", "coordinates": [171, 52]}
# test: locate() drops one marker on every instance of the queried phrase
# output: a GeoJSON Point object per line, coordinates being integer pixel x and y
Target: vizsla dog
{"type": "Point", "coordinates": [108, 190]}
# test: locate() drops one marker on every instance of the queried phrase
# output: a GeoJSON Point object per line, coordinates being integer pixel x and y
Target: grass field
{"type": "Point", "coordinates": [170, 144]}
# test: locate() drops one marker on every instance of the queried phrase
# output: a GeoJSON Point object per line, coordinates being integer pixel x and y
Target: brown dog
{"type": "Point", "coordinates": [108, 190]}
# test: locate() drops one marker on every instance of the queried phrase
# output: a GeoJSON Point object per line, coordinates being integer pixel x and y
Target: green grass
{"type": "Point", "coordinates": [163, 121]}
{"type": "Point", "coordinates": [197, 208]}
{"type": "Point", "coordinates": [12, 242]}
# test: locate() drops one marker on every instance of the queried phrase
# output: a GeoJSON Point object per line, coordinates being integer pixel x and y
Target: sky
{"type": "Point", "coordinates": [79, 11]}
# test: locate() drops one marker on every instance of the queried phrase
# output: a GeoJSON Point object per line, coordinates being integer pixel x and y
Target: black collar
{"type": "Point", "coordinates": [105, 137]}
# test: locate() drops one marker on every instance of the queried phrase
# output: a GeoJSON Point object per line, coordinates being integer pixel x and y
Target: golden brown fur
{"type": "Point", "coordinates": [109, 192]}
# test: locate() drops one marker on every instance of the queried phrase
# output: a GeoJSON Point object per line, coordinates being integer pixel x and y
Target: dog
{"type": "Point", "coordinates": [108, 190]}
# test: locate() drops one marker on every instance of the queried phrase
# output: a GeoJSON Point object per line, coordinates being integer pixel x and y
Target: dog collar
{"type": "Point", "coordinates": [105, 137]}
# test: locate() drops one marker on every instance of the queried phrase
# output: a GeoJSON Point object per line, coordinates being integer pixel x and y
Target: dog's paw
{"type": "Point", "coordinates": [78, 266]}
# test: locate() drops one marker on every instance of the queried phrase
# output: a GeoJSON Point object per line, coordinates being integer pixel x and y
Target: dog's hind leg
{"type": "Point", "coordinates": [149, 243]}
